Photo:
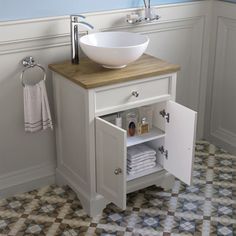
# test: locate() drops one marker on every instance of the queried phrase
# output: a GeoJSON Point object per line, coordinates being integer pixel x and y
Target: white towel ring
{"type": "Point", "coordinates": [28, 62]}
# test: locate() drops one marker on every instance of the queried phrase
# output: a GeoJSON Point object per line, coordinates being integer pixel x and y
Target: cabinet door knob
{"type": "Point", "coordinates": [117, 171]}
{"type": "Point", "coordinates": [135, 94]}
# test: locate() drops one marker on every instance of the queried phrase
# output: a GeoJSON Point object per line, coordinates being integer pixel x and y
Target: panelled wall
{"type": "Point", "coordinates": [180, 36]}
{"type": "Point", "coordinates": [221, 103]}
{"type": "Point", "coordinates": [26, 160]}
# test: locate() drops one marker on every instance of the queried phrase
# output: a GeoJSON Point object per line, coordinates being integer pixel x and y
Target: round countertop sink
{"type": "Point", "coordinates": [114, 49]}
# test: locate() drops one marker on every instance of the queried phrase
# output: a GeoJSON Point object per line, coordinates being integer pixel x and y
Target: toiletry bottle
{"type": "Point", "coordinates": [131, 122]}
{"type": "Point", "coordinates": [143, 126]}
{"type": "Point", "coordinates": [119, 120]}
{"type": "Point", "coordinates": [147, 112]}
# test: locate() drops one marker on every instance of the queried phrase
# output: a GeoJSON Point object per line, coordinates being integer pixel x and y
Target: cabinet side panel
{"type": "Point", "coordinates": [71, 131]}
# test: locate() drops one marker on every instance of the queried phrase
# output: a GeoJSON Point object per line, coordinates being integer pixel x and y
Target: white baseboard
{"type": "Point", "coordinates": [26, 180]}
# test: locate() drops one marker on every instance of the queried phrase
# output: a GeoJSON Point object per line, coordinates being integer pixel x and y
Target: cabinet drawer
{"type": "Point", "coordinates": [126, 95]}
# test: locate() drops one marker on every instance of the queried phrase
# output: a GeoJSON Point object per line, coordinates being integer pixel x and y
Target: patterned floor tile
{"type": "Point", "coordinates": [206, 208]}
{"type": "Point", "coordinates": [151, 222]}
{"type": "Point", "coordinates": [222, 191]}
{"type": "Point", "coordinates": [202, 147]}
{"type": "Point", "coordinates": [67, 230]}
{"type": "Point", "coordinates": [47, 208]}
{"type": "Point", "coordinates": [200, 174]}
{"type": "Point", "coordinates": [155, 201]}
{"type": "Point", "coordinates": [75, 211]}
{"type": "Point", "coordinates": [15, 204]}
{"type": "Point", "coordinates": [113, 216]}
{"type": "Point", "coordinates": [224, 210]}
{"type": "Point", "coordinates": [225, 161]}
{"type": "Point", "coordinates": [135, 199]}
{"type": "Point", "coordinates": [31, 227]}
{"type": "Point", "coordinates": [225, 176]}
{"type": "Point", "coordinates": [222, 229]}
{"type": "Point", "coordinates": [55, 191]}
{"type": "Point", "coordinates": [7, 223]}
{"type": "Point", "coordinates": [185, 226]}
{"type": "Point", "coordinates": [195, 190]}
{"type": "Point", "coordinates": [104, 232]}
{"type": "Point", "coordinates": [190, 206]}
{"type": "Point", "coordinates": [220, 151]}
{"type": "Point", "coordinates": [201, 160]}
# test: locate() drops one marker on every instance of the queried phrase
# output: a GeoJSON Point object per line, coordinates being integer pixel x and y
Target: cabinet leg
{"type": "Point", "coordinates": [97, 205]}
{"type": "Point", "coordinates": [168, 182]}
{"type": "Point", "coordinates": [93, 206]}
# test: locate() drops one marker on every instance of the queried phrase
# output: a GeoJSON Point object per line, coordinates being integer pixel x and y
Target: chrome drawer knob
{"type": "Point", "coordinates": [135, 94]}
{"type": "Point", "coordinates": [117, 171]}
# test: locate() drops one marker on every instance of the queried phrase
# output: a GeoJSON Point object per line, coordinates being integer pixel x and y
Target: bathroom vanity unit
{"type": "Point", "coordinates": [92, 151]}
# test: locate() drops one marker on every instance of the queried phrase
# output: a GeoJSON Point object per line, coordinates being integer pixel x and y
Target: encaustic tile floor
{"type": "Point", "coordinates": [208, 207]}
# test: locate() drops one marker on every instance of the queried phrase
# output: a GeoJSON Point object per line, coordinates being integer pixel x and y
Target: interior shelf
{"type": "Point", "coordinates": [143, 173]}
{"type": "Point", "coordinates": [154, 133]}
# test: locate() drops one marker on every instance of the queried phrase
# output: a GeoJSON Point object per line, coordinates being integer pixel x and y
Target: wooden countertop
{"type": "Point", "coordinates": [89, 75]}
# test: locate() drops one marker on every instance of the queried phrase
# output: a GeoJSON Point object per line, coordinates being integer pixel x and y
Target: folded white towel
{"type": "Point", "coordinates": [141, 162]}
{"type": "Point", "coordinates": [139, 150]}
{"type": "Point", "coordinates": [36, 108]}
{"type": "Point", "coordinates": [144, 168]}
{"type": "Point", "coordinates": [140, 159]}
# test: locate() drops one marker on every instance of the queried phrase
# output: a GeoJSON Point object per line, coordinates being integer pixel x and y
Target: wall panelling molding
{"type": "Point", "coordinates": [221, 109]}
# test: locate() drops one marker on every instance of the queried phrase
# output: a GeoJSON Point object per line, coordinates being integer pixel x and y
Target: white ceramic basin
{"type": "Point", "coordinates": [114, 49]}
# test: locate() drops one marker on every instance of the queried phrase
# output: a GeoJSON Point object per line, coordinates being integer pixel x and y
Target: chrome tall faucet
{"type": "Point", "coordinates": [149, 15]}
{"type": "Point", "coordinates": [74, 23]}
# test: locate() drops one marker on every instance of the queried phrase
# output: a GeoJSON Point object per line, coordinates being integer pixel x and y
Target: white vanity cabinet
{"type": "Point", "coordinates": [92, 152]}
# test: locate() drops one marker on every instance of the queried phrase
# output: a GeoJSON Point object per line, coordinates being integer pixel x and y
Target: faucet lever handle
{"type": "Point", "coordinates": [75, 18]}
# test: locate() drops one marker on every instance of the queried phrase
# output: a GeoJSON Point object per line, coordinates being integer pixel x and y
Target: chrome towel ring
{"type": "Point", "coordinates": [28, 62]}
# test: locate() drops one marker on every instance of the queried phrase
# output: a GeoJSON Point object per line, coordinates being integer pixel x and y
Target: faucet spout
{"type": "Point", "coordinates": [75, 22]}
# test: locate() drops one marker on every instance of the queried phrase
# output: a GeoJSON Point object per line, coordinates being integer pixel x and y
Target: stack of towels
{"type": "Point", "coordinates": [140, 158]}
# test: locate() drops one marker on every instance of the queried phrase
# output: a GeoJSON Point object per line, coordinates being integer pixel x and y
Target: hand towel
{"type": "Point", "coordinates": [139, 150]}
{"type": "Point", "coordinates": [37, 113]}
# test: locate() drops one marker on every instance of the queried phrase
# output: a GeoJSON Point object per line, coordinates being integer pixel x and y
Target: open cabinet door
{"type": "Point", "coordinates": [180, 141]}
{"type": "Point", "coordinates": [111, 162]}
